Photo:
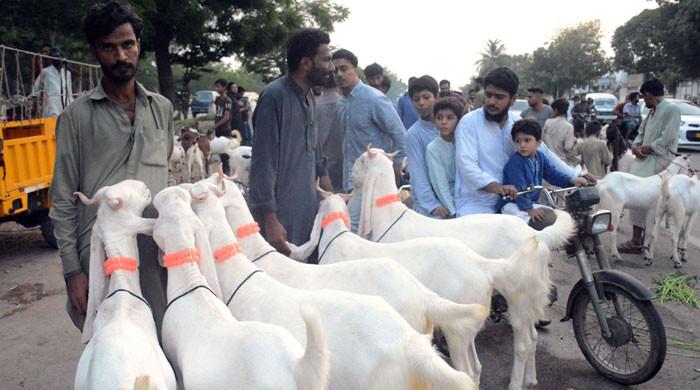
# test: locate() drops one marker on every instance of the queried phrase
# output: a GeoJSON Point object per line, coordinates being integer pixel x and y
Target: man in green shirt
{"type": "Point", "coordinates": [117, 131]}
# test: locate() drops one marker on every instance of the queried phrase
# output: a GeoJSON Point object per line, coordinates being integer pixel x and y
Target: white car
{"type": "Point", "coordinates": [519, 106]}
{"type": "Point", "coordinates": [689, 134]}
{"type": "Point", "coordinates": [604, 104]}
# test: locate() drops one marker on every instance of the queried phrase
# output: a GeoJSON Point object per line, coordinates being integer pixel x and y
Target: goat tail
{"type": "Point", "coordinates": [313, 369]}
{"type": "Point", "coordinates": [143, 383]}
{"type": "Point", "coordinates": [428, 370]}
{"type": "Point", "coordinates": [462, 318]}
{"type": "Point", "coordinates": [556, 235]}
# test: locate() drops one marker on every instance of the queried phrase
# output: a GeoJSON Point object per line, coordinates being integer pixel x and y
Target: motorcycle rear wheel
{"type": "Point", "coordinates": [637, 349]}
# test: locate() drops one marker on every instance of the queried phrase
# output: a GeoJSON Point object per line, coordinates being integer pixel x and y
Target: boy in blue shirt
{"type": "Point", "coordinates": [527, 167]}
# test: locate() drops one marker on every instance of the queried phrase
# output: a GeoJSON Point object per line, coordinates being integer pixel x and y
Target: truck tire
{"type": "Point", "coordinates": [47, 232]}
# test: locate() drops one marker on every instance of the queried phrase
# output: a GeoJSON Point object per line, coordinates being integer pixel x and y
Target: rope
{"type": "Point", "coordinates": [691, 171]}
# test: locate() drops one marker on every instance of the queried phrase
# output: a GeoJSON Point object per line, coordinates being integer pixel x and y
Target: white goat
{"type": "Point", "coordinates": [383, 277]}
{"type": "Point", "coordinates": [240, 164]}
{"type": "Point", "coordinates": [196, 169]}
{"type": "Point", "coordinates": [177, 166]}
{"type": "Point", "coordinates": [207, 346]}
{"type": "Point", "coordinates": [371, 346]}
{"type": "Point", "coordinates": [489, 235]}
{"type": "Point", "coordinates": [444, 265]}
{"type": "Point", "coordinates": [680, 199]}
{"type": "Point", "coordinates": [123, 344]}
{"type": "Point", "coordinates": [620, 190]}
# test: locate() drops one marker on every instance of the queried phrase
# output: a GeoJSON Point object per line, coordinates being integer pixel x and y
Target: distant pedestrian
{"type": "Point", "coordinates": [538, 110]}
{"type": "Point", "coordinates": [374, 73]}
{"type": "Point", "coordinates": [594, 152]}
{"type": "Point", "coordinates": [558, 133]}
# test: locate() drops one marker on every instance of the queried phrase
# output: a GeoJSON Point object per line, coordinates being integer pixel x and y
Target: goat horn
{"type": "Point", "coordinates": [371, 153]}
{"type": "Point", "coordinates": [323, 192]}
{"type": "Point", "coordinates": [85, 200]}
{"type": "Point", "coordinates": [345, 197]}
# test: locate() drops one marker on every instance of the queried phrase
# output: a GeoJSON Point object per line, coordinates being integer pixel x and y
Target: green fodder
{"type": "Point", "coordinates": [677, 287]}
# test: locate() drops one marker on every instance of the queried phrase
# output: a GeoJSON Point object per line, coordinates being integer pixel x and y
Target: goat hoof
{"type": "Point", "coordinates": [649, 261]}
{"type": "Point", "coordinates": [677, 265]}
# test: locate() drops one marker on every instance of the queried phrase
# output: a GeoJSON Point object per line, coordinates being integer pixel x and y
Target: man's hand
{"type": "Point", "coordinates": [535, 214]}
{"type": "Point", "coordinates": [501, 190]}
{"type": "Point", "coordinates": [441, 212]}
{"type": "Point", "coordinates": [77, 285]}
{"type": "Point", "coordinates": [276, 233]}
{"type": "Point", "coordinates": [579, 181]}
{"type": "Point", "coordinates": [642, 151]}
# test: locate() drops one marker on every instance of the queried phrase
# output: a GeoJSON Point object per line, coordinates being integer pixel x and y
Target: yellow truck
{"type": "Point", "coordinates": [27, 154]}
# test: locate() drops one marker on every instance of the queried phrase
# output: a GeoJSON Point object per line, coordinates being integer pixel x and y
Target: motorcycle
{"type": "Point", "coordinates": [616, 325]}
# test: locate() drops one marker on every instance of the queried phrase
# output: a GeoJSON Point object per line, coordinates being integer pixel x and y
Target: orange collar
{"type": "Point", "coordinates": [387, 200]}
{"type": "Point", "coordinates": [226, 252]}
{"type": "Point", "coordinates": [247, 230]}
{"type": "Point", "coordinates": [176, 259]}
{"type": "Point", "coordinates": [335, 216]}
{"type": "Point", "coordinates": [120, 263]}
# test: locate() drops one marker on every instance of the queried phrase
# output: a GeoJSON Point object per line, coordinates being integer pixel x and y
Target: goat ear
{"type": "Point", "coordinates": [392, 154]}
{"type": "Point", "coordinates": [345, 197]}
{"type": "Point", "coordinates": [98, 283]}
{"type": "Point", "coordinates": [367, 203]}
{"type": "Point", "coordinates": [206, 266]}
{"type": "Point", "coordinates": [115, 203]}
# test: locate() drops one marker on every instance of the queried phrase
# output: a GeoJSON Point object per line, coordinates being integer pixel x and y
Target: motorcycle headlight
{"type": "Point", "coordinates": [598, 222]}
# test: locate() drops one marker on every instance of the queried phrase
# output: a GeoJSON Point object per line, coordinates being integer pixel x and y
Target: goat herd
{"type": "Point", "coordinates": [244, 316]}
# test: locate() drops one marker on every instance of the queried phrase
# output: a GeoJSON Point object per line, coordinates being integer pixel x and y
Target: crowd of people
{"type": "Point", "coordinates": [466, 154]}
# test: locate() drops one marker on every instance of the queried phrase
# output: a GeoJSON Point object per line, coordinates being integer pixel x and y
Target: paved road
{"type": "Point", "coordinates": [41, 348]}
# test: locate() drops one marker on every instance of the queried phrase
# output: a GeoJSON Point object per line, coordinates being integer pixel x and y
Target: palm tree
{"type": "Point", "coordinates": [492, 56]}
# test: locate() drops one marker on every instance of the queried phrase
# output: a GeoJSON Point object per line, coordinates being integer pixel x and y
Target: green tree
{"type": "Point", "coordinates": [574, 57]}
{"type": "Point", "coordinates": [492, 56]}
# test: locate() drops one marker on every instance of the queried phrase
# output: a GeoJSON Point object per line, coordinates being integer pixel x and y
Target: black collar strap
{"type": "Point", "coordinates": [187, 292]}
{"type": "Point", "coordinates": [241, 285]}
{"type": "Point", "coordinates": [263, 255]}
{"type": "Point", "coordinates": [329, 244]}
{"type": "Point", "coordinates": [392, 225]}
{"type": "Point", "coordinates": [130, 293]}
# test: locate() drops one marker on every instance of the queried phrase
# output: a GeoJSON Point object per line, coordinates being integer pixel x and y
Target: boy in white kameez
{"type": "Point", "coordinates": [440, 153]}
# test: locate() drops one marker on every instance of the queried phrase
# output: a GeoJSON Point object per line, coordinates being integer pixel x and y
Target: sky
{"type": "Point", "coordinates": [443, 38]}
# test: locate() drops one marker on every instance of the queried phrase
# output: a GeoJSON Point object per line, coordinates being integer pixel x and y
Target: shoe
{"type": "Point", "coordinates": [541, 324]}
{"type": "Point", "coordinates": [630, 247]}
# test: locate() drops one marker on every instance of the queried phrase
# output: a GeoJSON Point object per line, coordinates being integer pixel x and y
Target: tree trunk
{"type": "Point", "coordinates": [166, 81]}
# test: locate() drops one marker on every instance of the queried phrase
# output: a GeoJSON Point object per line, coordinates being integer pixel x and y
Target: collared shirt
{"type": "Point", "coordinates": [407, 112]}
{"type": "Point", "coordinates": [418, 138]}
{"type": "Point", "coordinates": [440, 158]}
{"type": "Point", "coordinates": [97, 146]}
{"type": "Point", "coordinates": [57, 88]}
{"type": "Point", "coordinates": [287, 158]}
{"type": "Point", "coordinates": [632, 110]}
{"type": "Point", "coordinates": [369, 117]}
{"type": "Point", "coordinates": [482, 150]}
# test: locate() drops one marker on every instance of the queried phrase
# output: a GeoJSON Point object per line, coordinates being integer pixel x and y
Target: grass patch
{"type": "Point", "coordinates": [677, 287]}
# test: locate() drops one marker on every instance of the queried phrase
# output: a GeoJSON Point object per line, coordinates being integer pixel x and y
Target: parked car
{"type": "Point", "coordinates": [604, 104]}
{"type": "Point", "coordinates": [201, 102]}
{"type": "Point", "coordinates": [689, 132]}
{"type": "Point", "coordinates": [519, 106]}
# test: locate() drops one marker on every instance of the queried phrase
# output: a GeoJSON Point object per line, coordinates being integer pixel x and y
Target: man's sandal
{"type": "Point", "coordinates": [629, 247]}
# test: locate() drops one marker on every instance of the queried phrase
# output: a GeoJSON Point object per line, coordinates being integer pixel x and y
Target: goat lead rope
{"type": "Point", "coordinates": [241, 285]}
{"type": "Point", "coordinates": [130, 293]}
{"type": "Point", "coordinates": [188, 292]}
{"type": "Point", "coordinates": [329, 243]}
{"type": "Point", "coordinates": [691, 171]}
{"type": "Point", "coordinates": [391, 226]}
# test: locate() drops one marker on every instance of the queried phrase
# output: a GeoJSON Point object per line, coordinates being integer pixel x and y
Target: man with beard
{"type": "Point", "coordinates": [117, 131]}
{"type": "Point", "coordinates": [287, 157]}
{"type": "Point", "coordinates": [484, 145]}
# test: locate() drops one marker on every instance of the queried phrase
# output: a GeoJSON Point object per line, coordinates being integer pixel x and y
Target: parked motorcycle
{"type": "Point", "coordinates": [615, 322]}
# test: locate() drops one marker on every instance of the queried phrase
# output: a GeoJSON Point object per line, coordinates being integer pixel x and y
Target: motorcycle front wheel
{"type": "Point", "coordinates": [637, 348]}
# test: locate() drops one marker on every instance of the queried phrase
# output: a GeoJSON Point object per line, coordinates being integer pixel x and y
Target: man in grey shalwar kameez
{"type": "Point", "coordinates": [654, 147]}
{"type": "Point", "coordinates": [287, 157]}
{"type": "Point", "coordinates": [117, 131]}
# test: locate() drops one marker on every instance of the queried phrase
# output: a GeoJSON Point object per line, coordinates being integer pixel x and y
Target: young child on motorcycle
{"type": "Point", "coordinates": [527, 167]}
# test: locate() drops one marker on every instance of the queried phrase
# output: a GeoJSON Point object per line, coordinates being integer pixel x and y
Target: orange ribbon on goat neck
{"type": "Point", "coordinates": [330, 218]}
{"type": "Point", "coordinates": [247, 230]}
{"type": "Point", "coordinates": [226, 252]}
{"type": "Point", "coordinates": [387, 200]}
{"type": "Point", "coordinates": [120, 263]}
{"type": "Point", "coordinates": [185, 256]}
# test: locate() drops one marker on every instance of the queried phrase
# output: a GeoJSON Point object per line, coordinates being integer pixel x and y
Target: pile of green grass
{"type": "Point", "coordinates": [677, 287]}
